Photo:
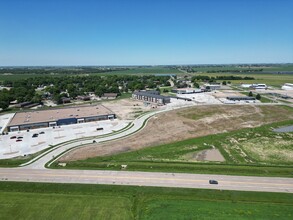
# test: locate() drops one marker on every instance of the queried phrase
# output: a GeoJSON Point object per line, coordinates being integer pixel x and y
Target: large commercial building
{"type": "Point", "coordinates": [241, 98]}
{"type": "Point", "coordinates": [151, 97]}
{"type": "Point", "coordinates": [186, 90]}
{"type": "Point", "coordinates": [58, 117]}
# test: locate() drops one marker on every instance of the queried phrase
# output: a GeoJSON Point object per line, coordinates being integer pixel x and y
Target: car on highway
{"type": "Point", "coordinates": [13, 137]}
{"type": "Point", "coordinates": [213, 182]}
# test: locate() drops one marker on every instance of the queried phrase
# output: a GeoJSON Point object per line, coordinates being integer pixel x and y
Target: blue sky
{"type": "Point", "coordinates": [146, 32]}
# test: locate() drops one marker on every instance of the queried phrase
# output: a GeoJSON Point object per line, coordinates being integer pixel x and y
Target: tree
{"type": "Point", "coordinates": [4, 105]}
{"type": "Point", "coordinates": [196, 85]}
{"type": "Point", "coordinates": [250, 94]}
{"type": "Point", "coordinates": [258, 97]}
{"type": "Point", "coordinates": [224, 83]}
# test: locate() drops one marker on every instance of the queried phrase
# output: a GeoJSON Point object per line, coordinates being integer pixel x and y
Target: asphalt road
{"type": "Point", "coordinates": [241, 183]}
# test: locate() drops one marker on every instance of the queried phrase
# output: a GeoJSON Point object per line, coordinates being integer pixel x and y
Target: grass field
{"type": "Point", "coordinates": [269, 79]}
{"type": "Point", "coordinates": [288, 67]}
{"type": "Point", "coordinates": [250, 151]}
{"type": "Point", "coordinates": [132, 71]}
{"type": "Point", "coordinates": [77, 201]}
{"type": "Point", "coordinates": [15, 77]}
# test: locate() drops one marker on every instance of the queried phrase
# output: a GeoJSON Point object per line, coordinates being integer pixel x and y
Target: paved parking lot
{"type": "Point", "coordinates": [22, 143]}
{"type": "Point", "coordinates": [4, 120]}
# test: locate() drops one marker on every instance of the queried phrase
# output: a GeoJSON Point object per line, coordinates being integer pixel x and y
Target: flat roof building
{"type": "Point", "coordinates": [241, 98]}
{"type": "Point", "coordinates": [151, 97]}
{"type": "Point", "coordinates": [57, 117]}
{"type": "Point", "coordinates": [186, 90]}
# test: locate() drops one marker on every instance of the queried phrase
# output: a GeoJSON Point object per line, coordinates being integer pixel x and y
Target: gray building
{"type": "Point", "coordinates": [151, 97]}
{"type": "Point", "coordinates": [241, 98]}
{"type": "Point", "coordinates": [58, 117]}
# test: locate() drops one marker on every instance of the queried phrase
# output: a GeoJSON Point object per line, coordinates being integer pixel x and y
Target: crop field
{"type": "Point", "coordinates": [131, 71]}
{"type": "Point", "coordinates": [147, 70]}
{"type": "Point", "coordinates": [276, 80]}
{"type": "Point", "coordinates": [15, 77]}
{"type": "Point", "coordinates": [288, 67]}
{"type": "Point", "coordinates": [77, 201]}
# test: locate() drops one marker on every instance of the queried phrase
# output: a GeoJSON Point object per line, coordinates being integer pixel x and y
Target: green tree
{"type": "Point", "coordinates": [224, 83]}
{"type": "Point", "coordinates": [258, 97]}
{"type": "Point", "coordinates": [250, 94]}
{"type": "Point", "coordinates": [4, 104]}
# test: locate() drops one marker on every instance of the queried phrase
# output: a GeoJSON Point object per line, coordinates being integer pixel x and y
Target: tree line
{"type": "Point", "coordinates": [55, 88]}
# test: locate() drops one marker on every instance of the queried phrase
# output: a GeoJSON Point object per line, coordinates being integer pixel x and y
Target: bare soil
{"type": "Point", "coordinates": [205, 155]}
{"type": "Point", "coordinates": [127, 108]}
{"type": "Point", "coordinates": [182, 124]}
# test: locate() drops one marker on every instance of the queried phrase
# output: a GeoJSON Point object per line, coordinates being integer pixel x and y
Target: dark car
{"type": "Point", "coordinates": [13, 137]}
{"type": "Point", "coordinates": [213, 182]}
{"type": "Point", "coordinates": [18, 140]}
{"type": "Point", "coordinates": [42, 132]}
{"type": "Point", "coordinates": [35, 135]}
{"type": "Point", "coordinates": [20, 137]}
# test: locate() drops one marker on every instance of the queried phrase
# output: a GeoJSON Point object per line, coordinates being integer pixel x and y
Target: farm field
{"type": "Point", "coordinates": [76, 201]}
{"type": "Point", "coordinates": [147, 70]}
{"type": "Point", "coordinates": [131, 71]}
{"type": "Point", "coordinates": [285, 67]}
{"type": "Point", "coordinates": [15, 77]}
{"type": "Point", "coordinates": [276, 80]}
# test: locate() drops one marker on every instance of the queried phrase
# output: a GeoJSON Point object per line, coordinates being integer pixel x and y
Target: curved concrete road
{"type": "Point", "coordinates": [40, 163]}
{"type": "Point", "coordinates": [242, 183]}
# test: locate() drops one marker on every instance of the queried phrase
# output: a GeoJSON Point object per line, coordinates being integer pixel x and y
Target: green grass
{"type": "Point", "coordinates": [263, 99]}
{"type": "Point", "coordinates": [78, 201]}
{"type": "Point", "coordinates": [265, 69]}
{"type": "Point", "coordinates": [236, 147]}
{"type": "Point", "coordinates": [145, 71]}
{"type": "Point", "coordinates": [15, 77]}
{"type": "Point", "coordinates": [269, 79]}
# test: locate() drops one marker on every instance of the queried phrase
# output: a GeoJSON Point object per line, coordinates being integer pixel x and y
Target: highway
{"type": "Point", "coordinates": [181, 180]}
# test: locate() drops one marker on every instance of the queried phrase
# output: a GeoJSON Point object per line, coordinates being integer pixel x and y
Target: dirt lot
{"type": "Point", "coordinates": [186, 123]}
{"type": "Point", "coordinates": [127, 108]}
{"type": "Point", "coordinates": [205, 155]}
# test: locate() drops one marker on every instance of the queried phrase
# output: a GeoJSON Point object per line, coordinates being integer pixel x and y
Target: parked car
{"type": "Point", "coordinates": [213, 182]}
{"type": "Point", "coordinates": [18, 140]}
{"type": "Point", "coordinates": [13, 137]}
{"type": "Point", "coordinates": [20, 137]}
{"type": "Point", "coordinates": [42, 132]}
{"type": "Point", "coordinates": [35, 135]}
